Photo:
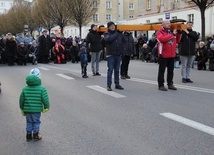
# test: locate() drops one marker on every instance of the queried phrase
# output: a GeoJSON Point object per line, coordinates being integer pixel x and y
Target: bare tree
{"type": "Point", "coordinates": [39, 15]}
{"type": "Point", "coordinates": [81, 11]}
{"type": "Point", "coordinates": [203, 5]}
{"type": "Point", "coordinates": [56, 10]}
{"type": "Point", "coordinates": [18, 16]}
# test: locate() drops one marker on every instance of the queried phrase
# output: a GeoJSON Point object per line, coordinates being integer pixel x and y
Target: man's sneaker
{"type": "Point", "coordinates": [162, 88]}
{"type": "Point", "coordinates": [109, 88]}
{"type": "Point", "coordinates": [184, 80]}
{"type": "Point", "coordinates": [128, 77]}
{"type": "Point", "coordinates": [98, 74]}
{"type": "Point", "coordinates": [84, 76]}
{"type": "Point", "coordinates": [94, 74]}
{"type": "Point", "coordinates": [119, 87]}
{"type": "Point", "coordinates": [37, 136]}
{"type": "Point", "coordinates": [172, 87]}
{"type": "Point", "coordinates": [123, 77]}
{"type": "Point", "coordinates": [189, 81]}
{"type": "Point", "coordinates": [29, 136]}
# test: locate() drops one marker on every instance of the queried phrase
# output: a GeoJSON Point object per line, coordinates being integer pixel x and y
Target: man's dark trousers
{"type": "Point", "coordinates": [163, 64]}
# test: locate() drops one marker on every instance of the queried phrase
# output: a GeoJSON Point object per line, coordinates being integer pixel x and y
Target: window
{"type": "Point", "coordinates": [131, 6]}
{"type": "Point", "coordinates": [95, 17]}
{"type": "Point", "coordinates": [131, 16]}
{"type": "Point", "coordinates": [2, 3]}
{"type": "Point", "coordinates": [94, 4]}
{"type": "Point", "coordinates": [174, 17]}
{"type": "Point", "coordinates": [147, 21]}
{"type": "Point", "coordinates": [191, 18]}
{"type": "Point", "coordinates": [108, 17]}
{"type": "Point", "coordinates": [160, 19]}
{"type": "Point", "coordinates": [108, 5]}
{"type": "Point", "coordinates": [148, 4]}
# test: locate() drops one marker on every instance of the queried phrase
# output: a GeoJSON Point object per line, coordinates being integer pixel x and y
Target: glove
{"type": "Point", "coordinates": [22, 112]}
{"type": "Point", "coordinates": [44, 110]}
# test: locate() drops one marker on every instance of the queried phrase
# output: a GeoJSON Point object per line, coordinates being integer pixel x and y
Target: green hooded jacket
{"type": "Point", "coordinates": [34, 96]}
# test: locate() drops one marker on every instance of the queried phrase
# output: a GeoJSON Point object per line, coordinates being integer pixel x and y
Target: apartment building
{"type": "Point", "coordinates": [146, 11]}
{"type": "Point", "coordinates": [109, 10]}
{"type": "Point", "coordinates": [158, 10]}
{"type": "Point", "coordinates": [5, 6]}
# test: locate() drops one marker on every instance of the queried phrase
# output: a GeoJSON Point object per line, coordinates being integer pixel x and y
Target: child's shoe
{"type": "Point", "coordinates": [37, 136]}
{"type": "Point", "coordinates": [29, 136]}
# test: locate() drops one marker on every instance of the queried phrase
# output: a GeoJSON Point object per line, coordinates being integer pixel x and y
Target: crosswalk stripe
{"type": "Point", "coordinates": [104, 91]}
{"type": "Point", "coordinates": [190, 123]}
{"type": "Point", "coordinates": [65, 76]}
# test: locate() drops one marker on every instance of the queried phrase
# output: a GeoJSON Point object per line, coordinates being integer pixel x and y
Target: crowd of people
{"type": "Point", "coordinates": [170, 48]}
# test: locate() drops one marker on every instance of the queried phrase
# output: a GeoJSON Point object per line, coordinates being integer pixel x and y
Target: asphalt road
{"type": "Point", "coordinates": [85, 119]}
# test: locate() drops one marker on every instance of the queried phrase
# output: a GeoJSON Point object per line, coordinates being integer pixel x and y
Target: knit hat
{"type": "Point", "coordinates": [110, 23]}
{"type": "Point", "coordinates": [93, 25]}
{"type": "Point", "coordinates": [36, 72]}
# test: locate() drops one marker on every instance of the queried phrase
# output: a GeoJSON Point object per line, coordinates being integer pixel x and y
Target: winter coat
{"type": "Point", "coordinates": [22, 52]}
{"type": "Point", "coordinates": [10, 47]}
{"type": "Point", "coordinates": [187, 43]}
{"type": "Point", "coordinates": [211, 61]}
{"type": "Point", "coordinates": [166, 43]}
{"type": "Point", "coordinates": [129, 45]}
{"type": "Point", "coordinates": [74, 50]}
{"type": "Point", "coordinates": [201, 55]}
{"type": "Point", "coordinates": [114, 42]}
{"type": "Point", "coordinates": [83, 55]}
{"type": "Point", "coordinates": [45, 45]}
{"type": "Point", "coordinates": [94, 39]}
{"type": "Point", "coordinates": [34, 97]}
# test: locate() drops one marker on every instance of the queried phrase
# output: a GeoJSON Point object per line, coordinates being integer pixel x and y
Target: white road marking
{"type": "Point", "coordinates": [65, 76]}
{"type": "Point", "coordinates": [104, 91]}
{"type": "Point", "coordinates": [211, 91]}
{"type": "Point", "coordinates": [190, 123]}
{"type": "Point", "coordinates": [43, 68]}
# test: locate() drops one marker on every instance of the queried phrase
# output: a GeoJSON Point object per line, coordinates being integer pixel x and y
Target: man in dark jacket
{"type": "Point", "coordinates": [129, 49]}
{"type": "Point", "coordinates": [114, 50]}
{"type": "Point", "coordinates": [93, 40]}
{"type": "Point", "coordinates": [22, 53]}
{"type": "Point", "coordinates": [44, 47]}
{"type": "Point", "coordinates": [187, 51]}
{"type": "Point", "coordinates": [10, 49]}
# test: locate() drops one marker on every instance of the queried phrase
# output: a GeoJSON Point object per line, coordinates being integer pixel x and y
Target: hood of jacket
{"type": "Point", "coordinates": [32, 80]}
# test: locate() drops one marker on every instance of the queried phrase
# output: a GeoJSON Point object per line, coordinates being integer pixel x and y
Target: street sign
{"type": "Point", "coordinates": [167, 15]}
{"type": "Point", "coordinates": [39, 29]}
{"type": "Point", "coordinates": [26, 28]}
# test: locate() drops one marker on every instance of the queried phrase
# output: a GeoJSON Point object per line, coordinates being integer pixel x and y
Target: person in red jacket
{"type": "Point", "coordinates": [166, 52]}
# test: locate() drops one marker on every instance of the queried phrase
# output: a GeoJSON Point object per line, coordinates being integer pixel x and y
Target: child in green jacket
{"type": "Point", "coordinates": [33, 100]}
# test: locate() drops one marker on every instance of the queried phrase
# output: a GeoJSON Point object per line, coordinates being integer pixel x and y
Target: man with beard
{"type": "Point", "coordinates": [187, 51]}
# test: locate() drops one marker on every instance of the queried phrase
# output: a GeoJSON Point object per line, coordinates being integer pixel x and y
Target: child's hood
{"type": "Point", "coordinates": [33, 80]}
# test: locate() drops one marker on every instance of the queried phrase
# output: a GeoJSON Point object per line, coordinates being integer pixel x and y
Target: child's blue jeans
{"type": "Point", "coordinates": [33, 122]}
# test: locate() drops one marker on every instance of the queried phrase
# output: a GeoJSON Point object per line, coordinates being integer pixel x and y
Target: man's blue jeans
{"type": "Point", "coordinates": [113, 63]}
{"type": "Point", "coordinates": [33, 122]}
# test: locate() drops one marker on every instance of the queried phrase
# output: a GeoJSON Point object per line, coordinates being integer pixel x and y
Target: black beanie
{"type": "Point", "coordinates": [92, 25]}
{"type": "Point", "coordinates": [110, 23]}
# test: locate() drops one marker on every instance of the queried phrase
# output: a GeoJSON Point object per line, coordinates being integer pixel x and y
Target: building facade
{"type": "Point", "coordinates": [5, 6]}
{"type": "Point", "coordinates": [147, 11]}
